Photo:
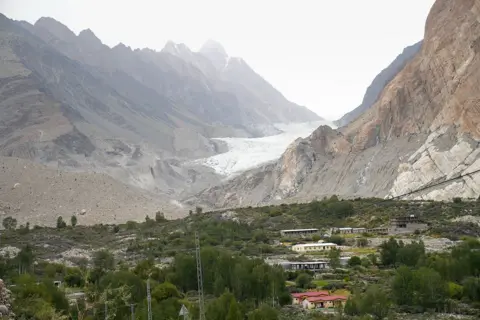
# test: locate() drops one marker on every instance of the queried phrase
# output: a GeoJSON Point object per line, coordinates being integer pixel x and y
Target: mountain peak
{"type": "Point", "coordinates": [56, 28]}
{"type": "Point", "coordinates": [87, 35]}
{"type": "Point", "coordinates": [215, 52]}
{"type": "Point", "coordinates": [121, 47]}
{"type": "Point", "coordinates": [212, 46]}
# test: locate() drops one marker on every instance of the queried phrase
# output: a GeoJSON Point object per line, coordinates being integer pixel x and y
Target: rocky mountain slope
{"type": "Point", "coordinates": [72, 102]}
{"type": "Point", "coordinates": [424, 128]}
{"type": "Point", "coordinates": [34, 193]}
{"type": "Point", "coordinates": [380, 82]}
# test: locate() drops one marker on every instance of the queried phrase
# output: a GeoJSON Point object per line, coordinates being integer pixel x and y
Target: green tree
{"type": "Point", "coordinates": [337, 239]}
{"type": "Point", "coordinates": [74, 277]}
{"type": "Point", "coordinates": [284, 299]}
{"type": "Point", "coordinates": [25, 259]}
{"type": "Point", "coordinates": [376, 303]}
{"type": "Point", "coordinates": [341, 209]}
{"type": "Point", "coordinates": [388, 252]}
{"type": "Point", "coordinates": [334, 258]}
{"type": "Point", "coordinates": [9, 223]}
{"type": "Point", "coordinates": [160, 217]}
{"type": "Point", "coordinates": [471, 288]}
{"type": "Point", "coordinates": [103, 259]}
{"type": "Point", "coordinates": [362, 242]}
{"type": "Point", "coordinates": [455, 291]}
{"type": "Point", "coordinates": [411, 254]}
{"type": "Point", "coordinates": [219, 309]}
{"type": "Point", "coordinates": [403, 286]}
{"type": "Point", "coordinates": [165, 291]}
{"type": "Point", "coordinates": [264, 312]}
{"type": "Point", "coordinates": [354, 261]}
{"type": "Point", "coordinates": [50, 270]}
{"type": "Point", "coordinates": [234, 311]}
{"type": "Point", "coordinates": [198, 210]}
{"type": "Point", "coordinates": [35, 300]}
{"type": "Point", "coordinates": [61, 223]}
{"type": "Point", "coordinates": [303, 280]}
{"type": "Point", "coordinates": [430, 289]}
{"type": "Point", "coordinates": [73, 220]}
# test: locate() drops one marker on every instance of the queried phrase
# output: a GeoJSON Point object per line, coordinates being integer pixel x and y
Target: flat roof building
{"type": "Point", "coordinates": [304, 265]}
{"type": "Point", "coordinates": [298, 232]}
{"type": "Point", "coordinates": [407, 224]}
{"type": "Point", "coordinates": [312, 247]}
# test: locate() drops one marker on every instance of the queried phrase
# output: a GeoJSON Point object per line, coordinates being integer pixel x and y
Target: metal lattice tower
{"type": "Point", "coordinates": [149, 300]}
{"type": "Point", "coordinates": [201, 304]}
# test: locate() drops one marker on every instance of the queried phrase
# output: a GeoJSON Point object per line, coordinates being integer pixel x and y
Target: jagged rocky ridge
{"type": "Point", "coordinates": [424, 128]}
{"type": "Point", "coordinates": [72, 102]}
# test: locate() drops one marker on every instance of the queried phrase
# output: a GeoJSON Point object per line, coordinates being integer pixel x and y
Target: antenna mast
{"type": "Point", "coordinates": [149, 300]}
{"type": "Point", "coordinates": [199, 277]}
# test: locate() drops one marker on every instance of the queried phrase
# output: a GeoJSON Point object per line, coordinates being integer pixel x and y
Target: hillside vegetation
{"type": "Point", "coordinates": [109, 264]}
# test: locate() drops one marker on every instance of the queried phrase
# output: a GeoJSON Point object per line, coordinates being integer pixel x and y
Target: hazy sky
{"type": "Point", "coordinates": [319, 53]}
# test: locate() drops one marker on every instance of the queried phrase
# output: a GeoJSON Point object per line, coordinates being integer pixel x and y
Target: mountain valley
{"type": "Point", "coordinates": [140, 116]}
{"type": "Point", "coordinates": [422, 130]}
{"type": "Point", "coordinates": [204, 129]}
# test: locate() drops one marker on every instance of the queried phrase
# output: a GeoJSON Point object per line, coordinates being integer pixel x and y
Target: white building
{"type": "Point", "coordinates": [313, 247]}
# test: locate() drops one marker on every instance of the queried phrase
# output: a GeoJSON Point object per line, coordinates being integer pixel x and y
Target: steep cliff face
{"type": "Point", "coordinates": [424, 128]}
{"type": "Point", "coordinates": [380, 82]}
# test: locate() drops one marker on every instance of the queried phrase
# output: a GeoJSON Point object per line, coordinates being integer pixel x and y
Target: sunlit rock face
{"type": "Point", "coordinates": [424, 128]}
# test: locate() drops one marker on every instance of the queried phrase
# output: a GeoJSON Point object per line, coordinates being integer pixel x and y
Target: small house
{"type": "Point", "coordinates": [298, 298]}
{"type": "Point", "coordinates": [324, 302]}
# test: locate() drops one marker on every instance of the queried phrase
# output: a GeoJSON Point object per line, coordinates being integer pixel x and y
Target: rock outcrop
{"type": "Point", "coordinates": [424, 128]}
{"type": "Point", "coordinates": [5, 302]}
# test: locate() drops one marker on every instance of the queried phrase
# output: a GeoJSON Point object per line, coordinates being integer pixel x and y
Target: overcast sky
{"type": "Point", "coordinates": [318, 53]}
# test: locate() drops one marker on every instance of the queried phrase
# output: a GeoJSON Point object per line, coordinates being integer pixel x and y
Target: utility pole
{"type": "Point", "coordinates": [132, 311]}
{"type": "Point", "coordinates": [273, 295]}
{"type": "Point", "coordinates": [106, 310]}
{"type": "Point", "coordinates": [149, 300]}
{"type": "Point", "coordinates": [199, 277]}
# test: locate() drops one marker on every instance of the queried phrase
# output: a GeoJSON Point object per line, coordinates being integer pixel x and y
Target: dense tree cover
{"type": "Point", "coordinates": [421, 282]}
{"type": "Point", "coordinates": [238, 284]}
{"type": "Point", "coordinates": [236, 287]}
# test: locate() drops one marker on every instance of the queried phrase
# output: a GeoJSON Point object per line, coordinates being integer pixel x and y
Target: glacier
{"type": "Point", "coordinates": [247, 153]}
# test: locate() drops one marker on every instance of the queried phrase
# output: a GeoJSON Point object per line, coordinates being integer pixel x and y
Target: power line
{"type": "Point", "coordinates": [428, 186]}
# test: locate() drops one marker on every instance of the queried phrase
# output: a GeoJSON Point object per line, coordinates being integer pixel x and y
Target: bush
{"type": "Point", "coordinates": [9, 223]}
{"type": "Point", "coordinates": [160, 217]}
{"type": "Point", "coordinates": [354, 261]}
{"type": "Point", "coordinates": [61, 223]}
{"type": "Point", "coordinates": [336, 239]}
{"type": "Point", "coordinates": [303, 280]}
{"type": "Point", "coordinates": [362, 242]}
{"type": "Point", "coordinates": [131, 225]}
{"type": "Point", "coordinates": [73, 220]}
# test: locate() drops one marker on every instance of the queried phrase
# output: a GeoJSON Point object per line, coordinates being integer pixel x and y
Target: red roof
{"type": "Point", "coordinates": [325, 298]}
{"type": "Point", "coordinates": [310, 294]}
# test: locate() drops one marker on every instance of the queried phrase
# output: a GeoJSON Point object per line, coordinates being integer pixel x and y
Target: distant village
{"type": "Point", "coordinates": [324, 299]}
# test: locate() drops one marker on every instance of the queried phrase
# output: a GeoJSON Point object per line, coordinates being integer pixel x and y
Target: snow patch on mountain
{"type": "Point", "coordinates": [247, 153]}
